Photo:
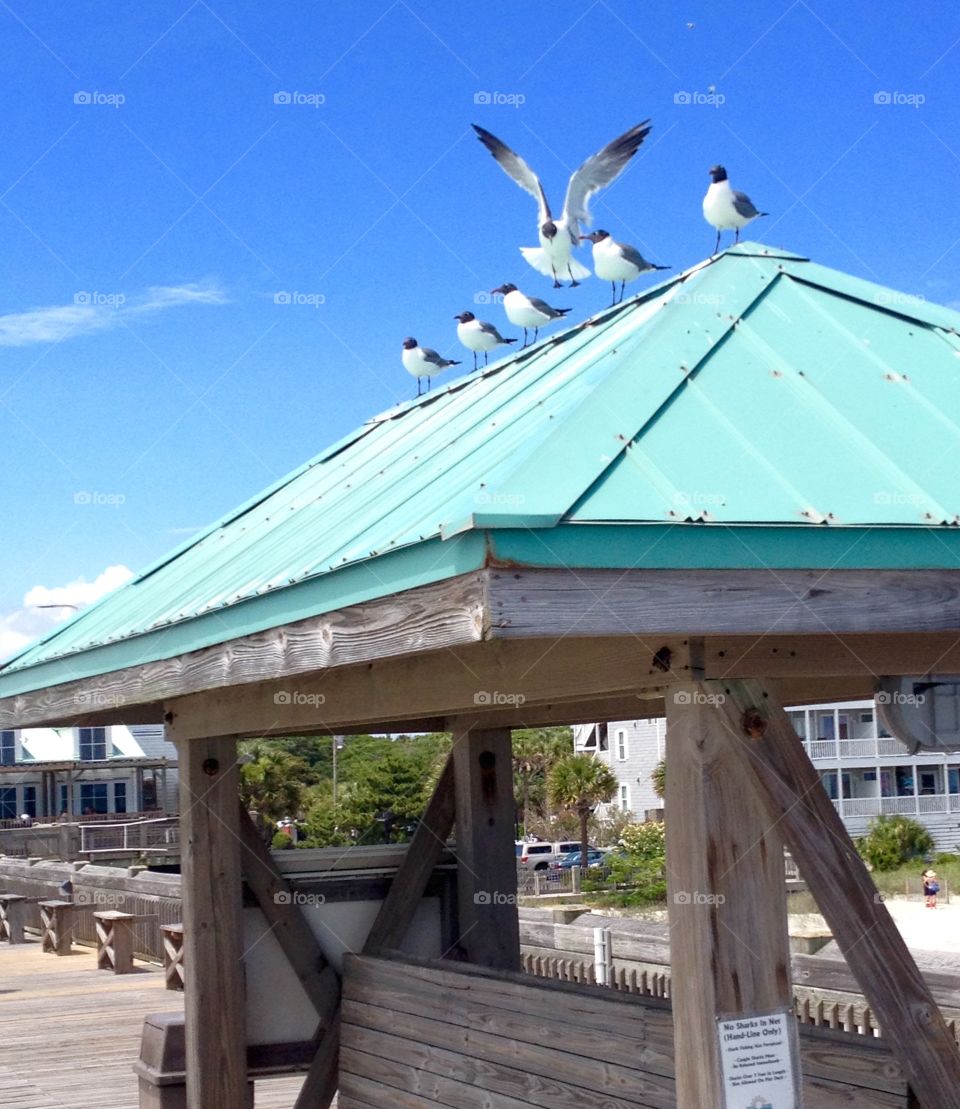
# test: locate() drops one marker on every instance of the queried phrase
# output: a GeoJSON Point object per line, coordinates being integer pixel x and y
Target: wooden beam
{"type": "Point", "coordinates": [275, 897]}
{"type": "Point", "coordinates": [776, 769]}
{"type": "Point", "coordinates": [445, 614]}
{"type": "Point", "coordinates": [423, 853]}
{"type": "Point", "coordinates": [486, 859]}
{"type": "Point", "coordinates": [460, 681]}
{"type": "Point", "coordinates": [536, 602]}
{"type": "Point", "coordinates": [726, 897]}
{"type": "Point", "coordinates": [320, 1085]}
{"type": "Point", "coordinates": [216, 1034]}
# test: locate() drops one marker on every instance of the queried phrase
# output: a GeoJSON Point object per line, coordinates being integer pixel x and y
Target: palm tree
{"type": "Point", "coordinates": [659, 779]}
{"type": "Point", "coordinates": [535, 750]}
{"type": "Point", "coordinates": [580, 783]}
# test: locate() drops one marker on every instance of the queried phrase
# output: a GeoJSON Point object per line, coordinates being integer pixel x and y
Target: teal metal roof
{"type": "Point", "coordinates": [756, 410]}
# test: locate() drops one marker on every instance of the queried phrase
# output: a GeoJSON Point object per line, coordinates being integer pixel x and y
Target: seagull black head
{"type": "Point", "coordinates": [718, 173]}
{"type": "Point", "coordinates": [549, 230]}
{"type": "Point", "coordinates": [504, 289]}
{"type": "Point", "coordinates": [409, 344]}
{"type": "Point", "coordinates": [597, 236]}
{"type": "Point", "coordinates": [465, 317]}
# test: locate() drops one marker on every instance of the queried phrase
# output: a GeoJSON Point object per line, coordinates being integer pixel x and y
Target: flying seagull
{"type": "Point", "coordinates": [527, 312]}
{"type": "Point", "coordinates": [476, 335]}
{"type": "Point", "coordinates": [726, 209]}
{"type": "Point", "coordinates": [423, 362]}
{"type": "Point", "coordinates": [613, 262]}
{"type": "Point", "coordinates": [558, 237]}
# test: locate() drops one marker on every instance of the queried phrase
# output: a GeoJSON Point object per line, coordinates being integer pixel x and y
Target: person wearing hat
{"type": "Point", "coordinates": [931, 887]}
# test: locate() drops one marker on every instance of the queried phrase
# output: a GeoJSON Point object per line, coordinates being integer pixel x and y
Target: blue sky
{"type": "Point", "coordinates": [218, 223]}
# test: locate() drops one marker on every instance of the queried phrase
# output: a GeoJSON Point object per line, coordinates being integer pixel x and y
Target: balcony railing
{"type": "Point", "coordinates": [898, 806]}
{"type": "Point", "coordinates": [872, 748]}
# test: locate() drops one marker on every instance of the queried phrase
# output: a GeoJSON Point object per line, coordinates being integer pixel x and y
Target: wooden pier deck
{"type": "Point", "coordinates": [70, 1034]}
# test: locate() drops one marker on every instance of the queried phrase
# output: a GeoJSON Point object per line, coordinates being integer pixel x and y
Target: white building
{"type": "Point", "coordinates": [86, 771]}
{"type": "Point", "coordinates": [865, 771]}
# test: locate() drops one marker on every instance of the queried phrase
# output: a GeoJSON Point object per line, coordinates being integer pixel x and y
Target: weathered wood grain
{"type": "Point", "coordinates": [536, 602]}
{"type": "Point", "coordinates": [486, 859]}
{"type": "Point", "coordinates": [216, 1034]}
{"type": "Point", "coordinates": [777, 769]}
{"type": "Point", "coordinates": [725, 893]}
{"type": "Point", "coordinates": [432, 616]}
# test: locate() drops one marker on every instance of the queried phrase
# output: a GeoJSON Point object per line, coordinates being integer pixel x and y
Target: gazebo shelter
{"type": "Point", "coordinates": [732, 492]}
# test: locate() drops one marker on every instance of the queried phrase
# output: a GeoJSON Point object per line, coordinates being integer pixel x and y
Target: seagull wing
{"type": "Point", "coordinates": [599, 170]}
{"type": "Point", "coordinates": [431, 356]}
{"type": "Point", "coordinates": [542, 306]}
{"type": "Point", "coordinates": [514, 166]}
{"type": "Point", "coordinates": [490, 329]}
{"type": "Point", "coordinates": [744, 205]}
{"type": "Point", "coordinates": [634, 257]}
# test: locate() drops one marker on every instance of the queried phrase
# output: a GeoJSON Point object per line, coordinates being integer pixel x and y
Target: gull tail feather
{"type": "Point", "coordinates": [536, 256]}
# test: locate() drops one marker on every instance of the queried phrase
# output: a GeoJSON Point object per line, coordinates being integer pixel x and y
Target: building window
{"type": "Point", "coordinates": [119, 796]}
{"type": "Point", "coordinates": [30, 800]}
{"type": "Point", "coordinates": [8, 748]}
{"type": "Point", "coordinates": [624, 797]}
{"type": "Point", "coordinates": [93, 798]}
{"type": "Point", "coordinates": [602, 741]}
{"type": "Point", "coordinates": [8, 803]}
{"type": "Point", "coordinates": [869, 775]}
{"type": "Point", "coordinates": [866, 717]}
{"type": "Point", "coordinates": [93, 744]}
{"type": "Point", "coordinates": [64, 799]}
{"type": "Point", "coordinates": [621, 744]}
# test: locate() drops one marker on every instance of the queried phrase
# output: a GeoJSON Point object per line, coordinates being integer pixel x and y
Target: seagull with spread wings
{"type": "Point", "coordinates": [554, 257]}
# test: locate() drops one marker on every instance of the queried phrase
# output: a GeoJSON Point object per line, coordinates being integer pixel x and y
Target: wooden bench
{"type": "Point", "coordinates": [56, 926]}
{"type": "Point", "coordinates": [13, 916]}
{"type": "Point", "coordinates": [172, 955]}
{"type": "Point", "coordinates": [115, 939]}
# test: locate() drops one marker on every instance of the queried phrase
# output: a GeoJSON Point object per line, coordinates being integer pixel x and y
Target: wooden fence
{"type": "Point", "coordinates": [420, 1033]}
{"type": "Point", "coordinates": [854, 1019]}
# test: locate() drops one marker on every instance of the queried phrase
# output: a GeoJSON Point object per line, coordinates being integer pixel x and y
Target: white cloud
{"type": "Point", "coordinates": [23, 625]}
{"type": "Point", "coordinates": [94, 311]}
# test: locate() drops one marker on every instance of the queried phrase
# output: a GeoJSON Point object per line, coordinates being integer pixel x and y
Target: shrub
{"type": "Point", "coordinates": [892, 841]}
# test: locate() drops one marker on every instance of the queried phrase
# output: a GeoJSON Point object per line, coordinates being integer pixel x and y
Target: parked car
{"type": "Point", "coordinates": [595, 858]}
{"type": "Point", "coordinates": [539, 854]}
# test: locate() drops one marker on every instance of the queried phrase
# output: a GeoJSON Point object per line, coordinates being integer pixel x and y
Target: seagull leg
{"type": "Point", "coordinates": [573, 283]}
{"type": "Point", "coordinates": [536, 332]}
{"type": "Point", "coordinates": [524, 347]}
{"type": "Point", "coordinates": [717, 245]}
{"type": "Point", "coordinates": [485, 358]}
{"type": "Point", "coordinates": [419, 384]}
{"type": "Point", "coordinates": [623, 285]}
{"type": "Point", "coordinates": [736, 237]}
{"type": "Point", "coordinates": [474, 359]}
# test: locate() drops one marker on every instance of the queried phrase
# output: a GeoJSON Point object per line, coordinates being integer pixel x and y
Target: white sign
{"type": "Point", "coordinates": [758, 1062]}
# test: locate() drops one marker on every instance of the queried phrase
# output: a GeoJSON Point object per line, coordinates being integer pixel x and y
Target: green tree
{"type": "Point", "coordinates": [535, 751]}
{"type": "Point", "coordinates": [659, 779]}
{"type": "Point", "coordinates": [579, 783]}
{"type": "Point", "coordinates": [271, 783]}
{"type": "Point", "coordinates": [892, 841]}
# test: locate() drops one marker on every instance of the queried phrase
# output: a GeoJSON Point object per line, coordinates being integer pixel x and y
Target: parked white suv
{"type": "Point", "coordinates": [539, 854]}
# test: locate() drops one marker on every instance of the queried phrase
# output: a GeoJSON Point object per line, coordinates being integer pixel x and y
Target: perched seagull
{"type": "Point", "coordinates": [527, 312]}
{"type": "Point", "coordinates": [423, 362]}
{"type": "Point", "coordinates": [613, 261]}
{"type": "Point", "coordinates": [558, 237]}
{"type": "Point", "coordinates": [478, 336]}
{"type": "Point", "coordinates": [725, 208]}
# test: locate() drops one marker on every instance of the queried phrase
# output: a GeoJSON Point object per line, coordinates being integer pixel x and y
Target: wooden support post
{"type": "Point", "coordinates": [726, 897]}
{"type": "Point", "coordinates": [114, 941]}
{"type": "Point", "coordinates": [487, 865]}
{"type": "Point", "coordinates": [13, 916]}
{"type": "Point", "coordinates": [216, 1035]}
{"type": "Point", "coordinates": [172, 935]}
{"type": "Point", "coordinates": [56, 926]}
{"type": "Point", "coordinates": [775, 764]}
